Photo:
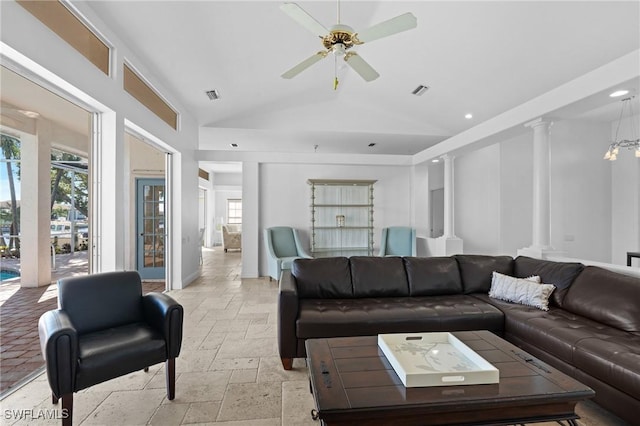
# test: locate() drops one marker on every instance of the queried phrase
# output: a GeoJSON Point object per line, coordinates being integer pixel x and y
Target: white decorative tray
{"type": "Point", "coordinates": [435, 359]}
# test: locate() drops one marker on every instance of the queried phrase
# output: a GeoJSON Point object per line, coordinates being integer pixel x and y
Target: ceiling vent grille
{"type": "Point", "coordinates": [213, 95]}
{"type": "Point", "coordinates": [420, 90]}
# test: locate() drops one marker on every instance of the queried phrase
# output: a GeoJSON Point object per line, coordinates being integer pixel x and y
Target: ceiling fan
{"type": "Point", "coordinates": [339, 38]}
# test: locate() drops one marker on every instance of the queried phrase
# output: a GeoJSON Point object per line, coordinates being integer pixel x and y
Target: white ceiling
{"type": "Point", "coordinates": [477, 57]}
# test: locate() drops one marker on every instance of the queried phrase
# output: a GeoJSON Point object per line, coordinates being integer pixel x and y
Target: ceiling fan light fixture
{"type": "Point", "coordinates": [630, 140]}
{"type": "Point", "coordinates": [339, 38]}
{"type": "Point", "coordinates": [213, 94]}
{"type": "Point", "coordinates": [420, 90]}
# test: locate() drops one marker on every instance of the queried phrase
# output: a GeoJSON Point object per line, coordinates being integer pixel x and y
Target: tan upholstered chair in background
{"type": "Point", "coordinates": [231, 237]}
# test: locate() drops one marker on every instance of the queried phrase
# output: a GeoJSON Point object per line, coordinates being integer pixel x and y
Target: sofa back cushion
{"type": "Point", "coordinates": [560, 274]}
{"type": "Point", "coordinates": [378, 276]}
{"type": "Point", "coordinates": [606, 297]}
{"type": "Point", "coordinates": [432, 276]}
{"type": "Point", "coordinates": [101, 301]}
{"type": "Point", "coordinates": [323, 278]}
{"type": "Point", "coordinates": [477, 270]}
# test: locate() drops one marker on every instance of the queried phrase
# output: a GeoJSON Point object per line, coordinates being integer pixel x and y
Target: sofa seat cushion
{"type": "Point", "coordinates": [614, 360]}
{"type": "Point", "coordinates": [114, 352]}
{"type": "Point", "coordinates": [370, 316]}
{"type": "Point", "coordinates": [556, 331]}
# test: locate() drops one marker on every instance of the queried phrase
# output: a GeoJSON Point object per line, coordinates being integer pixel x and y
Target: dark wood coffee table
{"type": "Point", "coordinates": [353, 383]}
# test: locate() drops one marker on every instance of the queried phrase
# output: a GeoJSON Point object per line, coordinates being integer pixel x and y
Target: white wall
{"type": "Point", "coordinates": [209, 219]}
{"type": "Point", "coordinates": [285, 196]}
{"type": "Point", "coordinates": [580, 190]}
{"type": "Point", "coordinates": [494, 195]}
{"type": "Point", "coordinates": [516, 193]}
{"type": "Point", "coordinates": [420, 213]}
{"type": "Point", "coordinates": [477, 200]}
{"type": "Point", "coordinates": [227, 179]}
{"type": "Point", "coordinates": [625, 197]}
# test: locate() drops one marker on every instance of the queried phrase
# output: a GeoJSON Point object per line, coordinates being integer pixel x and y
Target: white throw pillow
{"type": "Point", "coordinates": [526, 291]}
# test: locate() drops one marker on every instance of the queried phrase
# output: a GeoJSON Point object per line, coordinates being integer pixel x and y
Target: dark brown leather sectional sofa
{"type": "Point", "coordinates": [591, 331]}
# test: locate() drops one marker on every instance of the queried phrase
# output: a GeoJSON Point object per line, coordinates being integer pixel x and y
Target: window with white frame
{"type": "Point", "coordinates": [234, 211]}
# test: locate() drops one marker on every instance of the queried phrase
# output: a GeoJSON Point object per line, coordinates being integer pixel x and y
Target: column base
{"type": "Point", "coordinates": [444, 246]}
{"type": "Point", "coordinates": [540, 252]}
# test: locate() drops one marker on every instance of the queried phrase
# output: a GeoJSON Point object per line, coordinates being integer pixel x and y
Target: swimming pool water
{"type": "Point", "coordinates": [7, 275]}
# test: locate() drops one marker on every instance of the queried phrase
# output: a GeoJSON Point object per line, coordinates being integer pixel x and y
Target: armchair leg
{"type": "Point", "coordinates": [146, 369]}
{"type": "Point", "coordinates": [287, 363]}
{"type": "Point", "coordinates": [170, 368]}
{"type": "Point", "coordinates": [67, 409]}
{"type": "Point", "coordinates": [54, 399]}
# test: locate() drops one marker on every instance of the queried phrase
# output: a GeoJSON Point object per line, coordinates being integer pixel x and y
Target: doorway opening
{"type": "Point", "coordinates": [149, 220]}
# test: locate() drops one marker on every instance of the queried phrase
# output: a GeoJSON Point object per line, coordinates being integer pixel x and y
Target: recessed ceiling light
{"type": "Point", "coordinates": [372, 144]}
{"type": "Point", "coordinates": [419, 91]}
{"type": "Point", "coordinates": [30, 114]}
{"type": "Point", "coordinates": [435, 160]}
{"type": "Point", "coordinates": [619, 93]}
{"type": "Point", "coordinates": [213, 94]}
{"type": "Point", "coordinates": [235, 145]}
{"type": "Point", "coordinates": [468, 116]}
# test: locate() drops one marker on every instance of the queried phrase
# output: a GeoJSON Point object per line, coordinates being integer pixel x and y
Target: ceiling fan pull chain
{"type": "Point", "coordinates": [335, 70]}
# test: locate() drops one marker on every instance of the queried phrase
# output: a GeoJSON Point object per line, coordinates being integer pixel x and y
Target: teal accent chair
{"type": "Point", "coordinates": [398, 241]}
{"type": "Point", "coordinates": [283, 247]}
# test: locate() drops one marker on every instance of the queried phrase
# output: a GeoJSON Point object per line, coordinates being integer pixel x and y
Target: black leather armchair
{"type": "Point", "coordinates": [105, 328]}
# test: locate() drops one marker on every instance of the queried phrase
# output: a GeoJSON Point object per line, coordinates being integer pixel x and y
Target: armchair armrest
{"type": "Point", "coordinates": [302, 252]}
{"type": "Point", "coordinates": [165, 315]}
{"type": "Point", "coordinates": [287, 315]}
{"type": "Point", "coordinates": [59, 345]}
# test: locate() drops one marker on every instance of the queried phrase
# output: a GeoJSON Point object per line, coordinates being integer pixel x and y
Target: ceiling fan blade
{"type": "Point", "coordinates": [304, 65]}
{"type": "Point", "coordinates": [299, 15]}
{"type": "Point", "coordinates": [386, 28]}
{"type": "Point", "coordinates": [360, 66]}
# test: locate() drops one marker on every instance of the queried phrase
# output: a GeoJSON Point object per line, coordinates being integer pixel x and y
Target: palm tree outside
{"type": "Point", "coordinates": [11, 151]}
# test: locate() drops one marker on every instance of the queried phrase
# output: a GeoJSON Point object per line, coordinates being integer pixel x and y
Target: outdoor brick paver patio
{"type": "Point", "coordinates": [20, 309]}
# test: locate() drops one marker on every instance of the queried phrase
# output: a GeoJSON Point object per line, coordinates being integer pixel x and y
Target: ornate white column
{"type": "Point", "coordinates": [541, 229]}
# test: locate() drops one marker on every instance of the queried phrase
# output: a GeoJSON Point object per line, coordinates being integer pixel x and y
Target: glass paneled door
{"type": "Point", "coordinates": [150, 228]}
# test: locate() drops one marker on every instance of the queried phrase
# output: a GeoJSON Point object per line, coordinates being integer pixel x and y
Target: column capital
{"type": "Point", "coordinates": [540, 121]}
{"type": "Point", "coordinates": [447, 156]}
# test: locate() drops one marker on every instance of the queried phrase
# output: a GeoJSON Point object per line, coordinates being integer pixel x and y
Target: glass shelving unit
{"type": "Point", "coordinates": [341, 217]}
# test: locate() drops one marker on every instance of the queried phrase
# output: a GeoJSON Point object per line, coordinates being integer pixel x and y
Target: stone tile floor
{"type": "Point", "coordinates": [228, 372]}
{"type": "Point", "coordinates": [20, 309]}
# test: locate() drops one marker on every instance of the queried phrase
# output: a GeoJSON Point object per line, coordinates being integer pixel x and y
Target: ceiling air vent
{"type": "Point", "coordinates": [419, 91]}
{"type": "Point", "coordinates": [213, 95]}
